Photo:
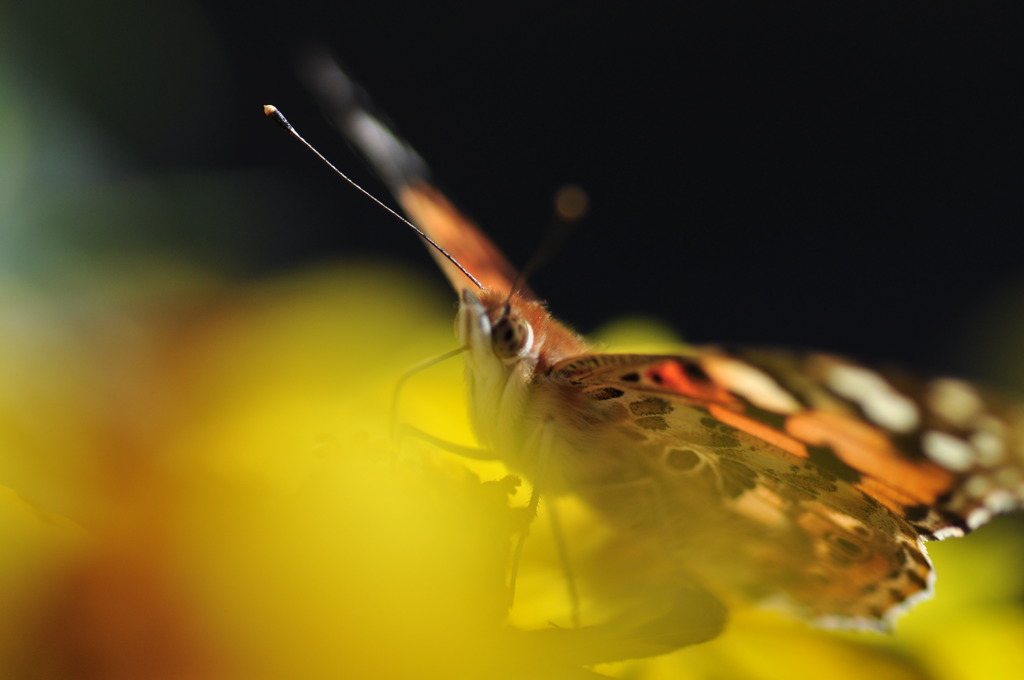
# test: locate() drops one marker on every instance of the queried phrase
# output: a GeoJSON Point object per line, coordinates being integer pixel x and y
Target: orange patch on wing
{"type": "Point", "coordinates": [871, 453]}
{"type": "Point", "coordinates": [756, 428]}
{"type": "Point", "coordinates": [671, 376]}
{"type": "Point", "coordinates": [431, 212]}
{"type": "Point", "coordinates": [890, 497]}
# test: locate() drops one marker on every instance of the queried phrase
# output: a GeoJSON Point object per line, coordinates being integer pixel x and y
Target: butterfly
{"type": "Point", "coordinates": [792, 477]}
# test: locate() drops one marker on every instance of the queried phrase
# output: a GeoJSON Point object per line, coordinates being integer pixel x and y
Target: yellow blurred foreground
{"type": "Point", "coordinates": [203, 485]}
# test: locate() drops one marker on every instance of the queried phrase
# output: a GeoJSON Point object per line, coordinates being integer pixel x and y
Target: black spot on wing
{"type": "Point", "coordinates": [916, 579]}
{"type": "Point", "coordinates": [736, 477]}
{"type": "Point", "coordinates": [915, 513]}
{"type": "Point", "coordinates": [650, 406]}
{"type": "Point", "coordinates": [958, 521]}
{"type": "Point", "coordinates": [924, 532]}
{"type": "Point", "coordinates": [604, 393]}
{"type": "Point", "coordinates": [826, 460]}
{"type": "Point", "coordinates": [917, 557]}
{"type": "Point", "coordinates": [851, 550]}
{"type": "Point", "coordinates": [776, 421]}
{"type": "Point", "coordinates": [694, 371]}
{"type": "Point", "coordinates": [723, 441]}
{"type": "Point", "coordinates": [652, 423]}
{"type": "Point", "coordinates": [682, 459]}
{"type": "Point", "coordinates": [909, 444]}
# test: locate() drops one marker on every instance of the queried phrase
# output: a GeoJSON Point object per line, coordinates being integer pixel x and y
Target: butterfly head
{"type": "Point", "coordinates": [498, 336]}
{"type": "Point", "coordinates": [512, 332]}
{"type": "Point", "coordinates": [509, 341]}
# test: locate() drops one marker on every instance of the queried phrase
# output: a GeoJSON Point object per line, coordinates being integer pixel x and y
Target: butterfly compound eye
{"type": "Point", "coordinates": [511, 338]}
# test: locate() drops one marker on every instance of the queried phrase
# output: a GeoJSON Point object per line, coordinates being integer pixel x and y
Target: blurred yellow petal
{"type": "Point", "coordinates": [235, 508]}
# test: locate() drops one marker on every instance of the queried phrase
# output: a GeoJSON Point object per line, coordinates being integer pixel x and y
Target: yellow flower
{"type": "Point", "coordinates": [205, 485]}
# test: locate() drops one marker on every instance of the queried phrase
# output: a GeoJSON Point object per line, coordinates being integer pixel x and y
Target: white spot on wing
{"type": "Point", "coordinates": [948, 451]}
{"type": "Point", "coordinates": [978, 517]}
{"type": "Point", "coordinates": [948, 532]}
{"type": "Point", "coordinates": [751, 384]}
{"type": "Point", "coordinates": [954, 400]}
{"type": "Point", "coordinates": [877, 398]}
{"type": "Point", "coordinates": [989, 447]}
{"type": "Point", "coordinates": [1000, 501]}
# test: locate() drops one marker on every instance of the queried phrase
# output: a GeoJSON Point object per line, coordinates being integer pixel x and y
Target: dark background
{"type": "Point", "coordinates": [844, 175]}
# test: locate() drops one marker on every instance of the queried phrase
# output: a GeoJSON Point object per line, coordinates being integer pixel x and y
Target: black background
{"type": "Point", "coordinates": [844, 175]}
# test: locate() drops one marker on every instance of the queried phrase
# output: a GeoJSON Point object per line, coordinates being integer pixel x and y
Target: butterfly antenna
{"type": "Point", "coordinates": [274, 114]}
{"type": "Point", "coordinates": [406, 174]}
{"type": "Point", "coordinates": [571, 205]}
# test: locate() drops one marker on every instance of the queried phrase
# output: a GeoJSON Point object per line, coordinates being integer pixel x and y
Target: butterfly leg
{"type": "Point", "coordinates": [471, 452]}
{"type": "Point", "coordinates": [542, 443]}
{"type": "Point", "coordinates": [410, 373]}
{"type": "Point", "coordinates": [558, 536]}
{"type": "Point", "coordinates": [538, 448]}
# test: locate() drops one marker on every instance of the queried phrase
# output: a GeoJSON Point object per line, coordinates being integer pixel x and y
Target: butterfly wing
{"type": "Point", "coordinates": [804, 476]}
{"type": "Point", "coordinates": [408, 179]}
{"type": "Point", "coordinates": [776, 474]}
{"type": "Point", "coordinates": [943, 453]}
